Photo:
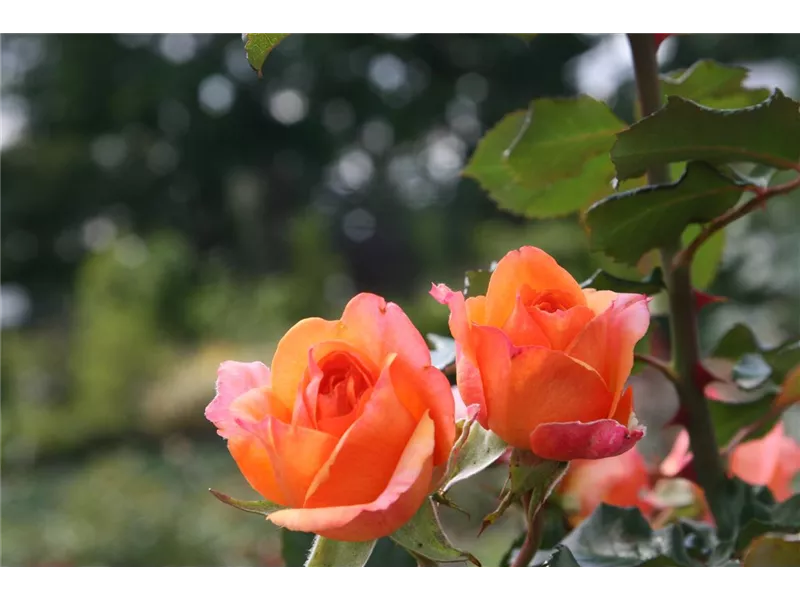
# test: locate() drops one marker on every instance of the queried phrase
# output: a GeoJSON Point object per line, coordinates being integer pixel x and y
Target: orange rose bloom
{"type": "Point", "coordinates": [350, 429]}
{"type": "Point", "coordinates": [547, 361]}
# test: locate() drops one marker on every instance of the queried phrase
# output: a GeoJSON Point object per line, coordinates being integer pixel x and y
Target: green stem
{"type": "Point", "coordinates": [533, 537]}
{"type": "Point", "coordinates": [683, 321]}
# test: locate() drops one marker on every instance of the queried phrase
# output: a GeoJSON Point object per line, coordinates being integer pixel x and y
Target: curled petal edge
{"type": "Point", "coordinates": [577, 440]}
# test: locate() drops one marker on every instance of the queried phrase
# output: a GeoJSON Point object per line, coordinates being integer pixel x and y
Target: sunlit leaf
{"type": "Point", "coordinates": [627, 225]}
{"type": "Point", "coordinates": [424, 535]}
{"type": "Point", "coordinates": [557, 163]}
{"type": "Point", "coordinates": [712, 84]}
{"type": "Point", "coordinates": [768, 133]}
{"type": "Point", "coordinates": [257, 47]}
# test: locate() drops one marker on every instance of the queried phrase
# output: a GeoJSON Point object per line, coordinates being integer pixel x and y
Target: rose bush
{"type": "Point", "coordinates": [349, 430]}
{"type": "Point", "coordinates": [625, 480]}
{"type": "Point", "coordinates": [547, 361]}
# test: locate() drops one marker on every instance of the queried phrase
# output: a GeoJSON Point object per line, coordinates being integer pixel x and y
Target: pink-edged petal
{"type": "Point", "coordinates": [576, 440]}
{"type": "Point", "coordinates": [459, 321]}
{"type": "Point", "coordinates": [381, 328]}
{"type": "Point", "coordinates": [407, 489]}
{"type": "Point", "coordinates": [599, 300]}
{"type": "Point", "coordinates": [234, 379]}
{"type": "Point", "coordinates": [362, 463]}
{"type": "Point", "coordinates": [607, 342]}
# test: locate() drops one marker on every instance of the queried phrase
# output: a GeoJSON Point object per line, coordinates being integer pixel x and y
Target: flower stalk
{"type": "Point", "coordinates": [683, 320]}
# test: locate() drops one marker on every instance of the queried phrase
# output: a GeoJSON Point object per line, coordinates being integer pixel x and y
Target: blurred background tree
{"type": "Point", "coordinates": [163, 209]}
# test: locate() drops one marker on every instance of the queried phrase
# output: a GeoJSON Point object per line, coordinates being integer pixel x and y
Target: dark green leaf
{"type": "Point", "coordinates": [713, 85]}
{"type": "Point", "coordinates": [771, 551]}
{"type": "Point", "coordinates": [424, 535]}
{"type": "Point", "coordinates": [444, 350]}
{"type": "Point", "coordinates": [768, 133]}
{"type": "Point", "coordinates": [295, 546]}
{"type": "Point", "coordinates": [477, 282]}
{"type": "Point", "coordinates": [749, 512]}
{"type": "Point", "coordinates": [739, 341]}
{"type": "Point", "coordinates": [627, 225]}
{"type": "Point", "coordinates": [389, 554]}
{"type": "Point", "coordinates": [555, 195]}
{"type": "Point", "coordinates": [601, 280]}
{"type": "Point", "coordinates": [728, 418]}
{"type": "Point", "coordinates": [707, 259]}
{"type": "Point", "coordinates": [332, 553]}
{"type": "Point", "coordinates": [259, 507]}
{"type": "Point", "coordinates": [257, 47]}
{"type": "Point", "coordinates": [614, 536]}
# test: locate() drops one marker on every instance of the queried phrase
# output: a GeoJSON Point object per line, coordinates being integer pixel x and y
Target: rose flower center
{"type": "Point", "coordinates": [345, 379]}
{"type": "Point", "coordinates": [547, 300]}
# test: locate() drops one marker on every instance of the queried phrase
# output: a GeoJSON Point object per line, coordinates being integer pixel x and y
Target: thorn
{"type": "Point", "coordinates": [702, 299]}
{"type": "Point", "coordinates": [445, 501]}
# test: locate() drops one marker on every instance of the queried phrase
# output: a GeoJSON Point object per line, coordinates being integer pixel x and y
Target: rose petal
{"type": "Point", "coordinates": [290, 360]}
{"type": "Point", "coordinates": [527, 266]}
{"type": "Point", "coordinates": [576, 440]}
{"type": "Point", "coordinates": [361, 465]}
{"type": "Point", "coordinates": [470, 386]}
{"type": "Point", "coordinates": [523, 329]}
{"type": "Point", "coordinates": [618, 480]}
{"type": "Point", "coordinates": [254, 462]}
{"type": "Point", "coordinates": [381, 328]}
{"type": "Point", "coordinates": [526, 387]}
{"type": "Point", "coordinates": [423, 390]}
{"type": "Point", "coordinates": [607, 342]}
{"type": "Point", "coordinates": [295, 454]}
{"type": "Point", "coordinates": [233, 380]}
{"type": "Point", "coordinates": [402, 498]}
{"type": "Point", "coordinates": [788, 466]}
{"type": "Point", "coordinates": [755, 461]}
{"type": "Point", "coordinates": [678, 457]}
{"type": "Point", "coordinates": [459, 321]}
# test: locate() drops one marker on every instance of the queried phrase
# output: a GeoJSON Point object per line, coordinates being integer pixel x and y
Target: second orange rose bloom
{"type": "Point", "coordinates": [547, 361]}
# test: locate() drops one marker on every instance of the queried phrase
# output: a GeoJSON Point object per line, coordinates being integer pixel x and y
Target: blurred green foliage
{"type": "Point", "coordinates": [164, 210]}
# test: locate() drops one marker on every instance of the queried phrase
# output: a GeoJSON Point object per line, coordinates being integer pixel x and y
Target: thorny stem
{"type": "Point", "coordinates": [533, 537]}
{"type": "Point", "coordinates": [685, 353]}
{"type": "Point", "coordinates": [684, 257]}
